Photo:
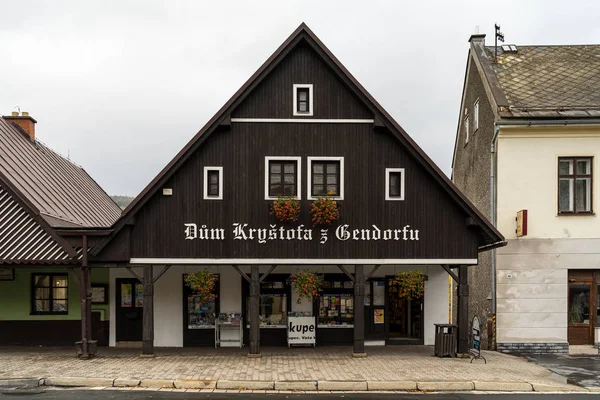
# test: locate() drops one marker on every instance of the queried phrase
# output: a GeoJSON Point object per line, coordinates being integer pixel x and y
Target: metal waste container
{"type": "Point", "coordinates": [445, 340]}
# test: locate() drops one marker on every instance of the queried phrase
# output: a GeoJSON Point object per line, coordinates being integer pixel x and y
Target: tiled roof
{"type": "Point", "coordinates": [63, 193]}
{"type": "Point", "coordinates": [549, 81]}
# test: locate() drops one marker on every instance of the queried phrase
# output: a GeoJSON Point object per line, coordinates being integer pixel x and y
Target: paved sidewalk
{"type": "Point", "coordinates": [390, 363]}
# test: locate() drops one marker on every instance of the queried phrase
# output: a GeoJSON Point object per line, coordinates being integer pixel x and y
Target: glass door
{"type": "Point", "coordinates": [579, 317]}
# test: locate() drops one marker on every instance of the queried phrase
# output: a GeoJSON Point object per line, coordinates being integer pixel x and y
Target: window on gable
{"type": "Point", "coordinates": [466, 130]}
{"type": "Point", "coordinates": [394, 183]}
{"type": "Point", "coordinates": [282, 177]}
{"type": "Point", "coordinates": [476, 116]}
{"type": "Point", "coordinates": [49, 294]}
{"type": "Point", "coordinates": [213, 183]}
{"type": "Point", "coordinates": [326, 177]}
{"type": "Point", "coordinates": [575, 185]}
{"type": "Point", "coordinates": [303, 99]}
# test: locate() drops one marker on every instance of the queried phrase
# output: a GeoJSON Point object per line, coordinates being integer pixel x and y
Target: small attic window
{"type": "Point", "coordinates": [509, 48]}
{"type": "Point", "coordinates": [303, 99]}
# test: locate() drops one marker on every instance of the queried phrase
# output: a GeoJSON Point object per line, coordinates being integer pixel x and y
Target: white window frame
{"type": "Point", "coordinates": [476, 116]}
{"type": "Point", "coordinates": [310, 99]}
{"type": "Point", "coordinates": [309, 195]}
{"type": "Point", "coordinates": [298, 171]}
{"type": "Point", "coordinates": [205, 183]}
{"type": "Point", "coordinates": [387, 184]}
{"type": "Point", "coordinates": [466, 129]}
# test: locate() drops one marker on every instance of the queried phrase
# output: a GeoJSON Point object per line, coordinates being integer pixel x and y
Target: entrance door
{"type": "Point", "coordinates": [581, 321]}
{"type": "Point", "coordinates": [129, 310]}
{"type": "Point", "coordinates": [375, 311]}
{"type": "Point", "coordinates": [405, 322]}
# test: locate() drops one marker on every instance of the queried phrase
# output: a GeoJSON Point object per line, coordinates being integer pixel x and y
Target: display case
{"type": "Point", "coordinates": [336, 310]}
{"type": "Point", "coordinates": [199, 317]}
{"type": "Point", "coordinates": [229, 330]}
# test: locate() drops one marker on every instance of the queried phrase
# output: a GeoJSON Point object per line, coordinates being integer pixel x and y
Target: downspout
{"type": "Point", "coordinates": [493, 161]}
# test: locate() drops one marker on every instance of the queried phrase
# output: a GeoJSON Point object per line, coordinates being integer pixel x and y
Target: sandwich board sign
{"type": "Point", "coordinates": [476, 339]}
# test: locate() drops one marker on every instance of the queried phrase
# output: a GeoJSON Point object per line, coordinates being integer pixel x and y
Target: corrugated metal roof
{"type": "Point", "coordinates": [549, 81]}
{"type": "Point", "coordinates": [23, 239]}
{"type": "Point", "coordinates": [64, 194]}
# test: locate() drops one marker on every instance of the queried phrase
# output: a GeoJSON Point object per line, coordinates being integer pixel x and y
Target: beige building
{"type": "Point", "coordinates": [526, 154]}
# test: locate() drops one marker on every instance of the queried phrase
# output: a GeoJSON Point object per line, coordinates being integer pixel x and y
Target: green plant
{"type": "Point", "coordinates": [324, 211]}
{"type": "Point", "coordinates": [203, 284]}
{"type": "Point", "coordinates": [411, 284]}
{"type": "Point", "coordinates": [286, 209]}
{"type": "Point", "coordinates": [308, 284]}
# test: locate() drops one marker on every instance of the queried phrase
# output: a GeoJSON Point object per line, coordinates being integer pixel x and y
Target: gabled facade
{"type": "Point", "coordinates": [527, 140]}
{"type": "Point", "coordinates": [301, 127]}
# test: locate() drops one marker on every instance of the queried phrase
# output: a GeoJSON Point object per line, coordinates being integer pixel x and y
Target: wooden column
{"type": "Point", "coordinates": [85, 295]}
{"type": "Point", "coordinates": [463, 310]}
{"type": "Point", "coordinates": [148, 313]}
{"type": "Point", "coordinates": [359, 312]}
{"type": "Point", "coordinates": [253, 310]}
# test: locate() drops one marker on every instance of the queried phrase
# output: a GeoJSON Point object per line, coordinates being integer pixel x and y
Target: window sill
{"type": "Point", "coordinates": [49, 313]}
{"type": "Point", "coordinates": [337, 198]}
{"type": "Point", "coordinates": [574, 214]}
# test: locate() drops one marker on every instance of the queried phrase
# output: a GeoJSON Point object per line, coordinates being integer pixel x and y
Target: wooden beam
{"type": "Point", "coordinates": [375, 268]}
{"type": "Point", "coordinates": [262, 278]}
{"type": "Point", "coordinates": [254, 312]}
{"type": "Point", "coordinates": [348, 274]}
{"type": "Point", "coordinates": [463, 310]}
{"type": "Point", "coordinates": [450, 272]}
{"type": "Point", "coordinates": [242, 273]}
{"type": "Point", "coordinates": [75, 276]}
{"type": "Point", "coordinates": [132, 272]}
{"type": "Point", "coordinates": [359, 312]}
{"type": "Point", "coordinates": [161, 273]}
{"type": "Point", "coordinates": [148, 313]}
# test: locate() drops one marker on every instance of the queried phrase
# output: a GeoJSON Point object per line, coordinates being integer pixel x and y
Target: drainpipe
{"type": "Point", "coordinates": [493, 194]}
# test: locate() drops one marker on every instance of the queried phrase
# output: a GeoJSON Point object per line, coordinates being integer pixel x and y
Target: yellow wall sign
{"type": "Point", "coordinates": [521, 223]}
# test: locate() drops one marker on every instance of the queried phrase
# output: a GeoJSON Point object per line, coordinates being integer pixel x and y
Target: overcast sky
{"type": "Point", "coordinates": [121, 86]}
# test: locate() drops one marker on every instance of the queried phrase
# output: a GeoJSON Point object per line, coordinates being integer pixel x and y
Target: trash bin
{"type": "Point", "coordinates": [445, 340]}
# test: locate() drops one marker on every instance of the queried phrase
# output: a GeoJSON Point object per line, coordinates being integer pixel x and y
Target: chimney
{"type": "Point", "coordinates": [24, 121]}
{"type": "Point", "coordinates": [477, 38]}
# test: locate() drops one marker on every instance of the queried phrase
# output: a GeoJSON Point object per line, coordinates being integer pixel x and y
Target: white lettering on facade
{"type": "Point", "coordinates": [241, 231]}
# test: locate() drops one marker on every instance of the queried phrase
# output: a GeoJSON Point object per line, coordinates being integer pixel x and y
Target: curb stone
{"type": "Point", "coordinates": [296, 385]}
{"type": "Point", "coordinates": [504, 386]}
{"type": "Point", "coordinates": [391, 385]}
{"type": "Point", "coordinates": [125, 382]}
{"type": "Point", "coordinates": [21, 382]}
{"type": "Point", "coordinates": [157, 383]}
{"type": "Point", "coordinates": [342, 385]}
{"type": "Point", "coordinates": [70, 381]}
{"type": "Point", "coordinates": [443, 386]}
{"type": "Point", "coordinates": [542, 387]}
{"type": "Point", "coordinates": [251, 385]}
{"type": "Point", "coordinates": [195, 384]}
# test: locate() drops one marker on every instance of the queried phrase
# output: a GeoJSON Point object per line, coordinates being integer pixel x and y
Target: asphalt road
{"type": "Point", "coordinates": [579, 370]}
{"type": "Point", "coordinates": [155, 395]}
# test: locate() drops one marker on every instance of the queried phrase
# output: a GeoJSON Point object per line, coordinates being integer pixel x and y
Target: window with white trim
{"type": "Point", "coordinates": [213, 183]}
{"type": "Point", "coordinates": [282, 177]}
{"type": "Point", "coordinates": [394, 183]}
{"type": "Point", "coordinates": [476, 116]}
{"type": "Point", "coordinates": [575, 185]}
{"type": "Point", "coordinates": [326, 177]}
{"type": "Point", "coordinates": [466, 130]}
{"type": "Point", "coordinates": [303, 99]}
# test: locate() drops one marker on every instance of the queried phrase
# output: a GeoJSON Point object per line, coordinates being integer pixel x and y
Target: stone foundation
{"type": "Point", "coordinates": [534, 348]}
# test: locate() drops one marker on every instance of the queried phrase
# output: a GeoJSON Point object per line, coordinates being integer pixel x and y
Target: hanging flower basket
{"type": "Point", "coordinates": [308, 284]}
{"type": "Point", "coordinates": [286, 209]}
{"type": "Point", "coordinates": [324, 211]}
{"type": "Point", "coordinates": [411, 284]}
{"type": "Point", "coordinates": [203, 284]}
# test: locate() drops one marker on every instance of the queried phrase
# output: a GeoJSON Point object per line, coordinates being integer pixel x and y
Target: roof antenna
{"type": "Point", "coordinates": [498, 36]}
{"type": "Point", "coordinates": [18, 109]}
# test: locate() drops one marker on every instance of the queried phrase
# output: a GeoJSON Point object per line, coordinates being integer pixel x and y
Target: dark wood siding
{"type": "Point", "coordinates": [159, 226]}
{"type": "Point", "coordinates": [273, 98]}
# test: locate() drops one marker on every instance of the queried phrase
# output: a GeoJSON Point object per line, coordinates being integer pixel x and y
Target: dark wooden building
{"type": "Point", "coordinates": [304, 128]}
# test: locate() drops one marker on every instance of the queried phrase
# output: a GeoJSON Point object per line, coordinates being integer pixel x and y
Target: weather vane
{"type": "Point", "coordinates": [498, 36]}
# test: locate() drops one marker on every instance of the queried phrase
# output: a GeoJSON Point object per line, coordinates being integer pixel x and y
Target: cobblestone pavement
{"type": "Point", "coordinates": [390, 363]}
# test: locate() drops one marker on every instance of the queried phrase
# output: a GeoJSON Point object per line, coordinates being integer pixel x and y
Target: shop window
{"type": "Point", "coordinates": [282, 177]}
{"type": "Point", "coordinates": [201, 314]}
{"type": "Point", "coordinates": [213, 183]}
{"type": "Point", "coordinates": [394, 183]}
{"type": "Point", "coordinates": [336, 304]}
{"type": "Point", "coordinates": [575, 185]}
{"type": "Point", "coordinates": [303, 100]}
{"type": "Point", "coordinates": [50, 294]}
{"type": "Point", "coordinates": [326, 177]}
{"type": "Point", "coordinates": [274, 302]}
